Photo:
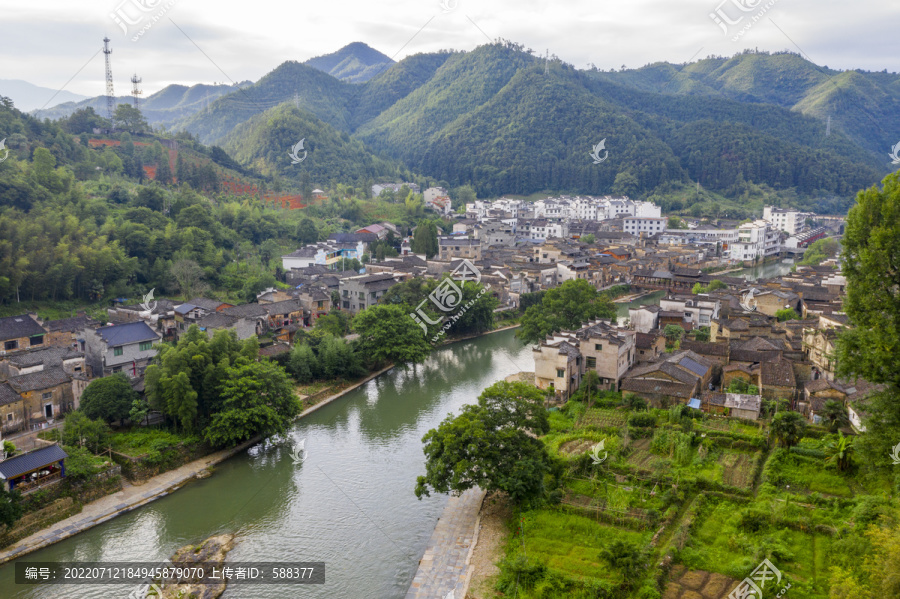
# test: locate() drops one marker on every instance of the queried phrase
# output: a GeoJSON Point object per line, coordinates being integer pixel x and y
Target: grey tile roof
{"type": "Point", "coordinates": [16, 327]}
{"type": "Point", "coordinates": [217, 320]}
{"type": "Point", "coordinates": [42, 379]}
{"type": "Point", "coordinates": [246, 311]}
{"type": "Point", "coordinates": [205, 303]}
{"type": "Point", "coordinates": [8, 395]}
{"type": "Point", "coordinates": [74, 324]}
{"type": "Point", "coordinates": [282, 307]}
{"type": "Point", "coordinates": [48, 356]}
{"type": "Point", "coordinates": [123, 334]}
{"type": "Point", "coordinates": [32, 460]}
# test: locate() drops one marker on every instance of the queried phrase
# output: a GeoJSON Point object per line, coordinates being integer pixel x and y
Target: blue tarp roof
{"type": "Point", "coordinates": [694, 403]}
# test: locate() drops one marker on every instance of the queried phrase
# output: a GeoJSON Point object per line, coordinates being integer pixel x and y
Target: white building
{"type": "Point", "coordinates": [789, 221]}
{"type": "Point", "coordinates": [756, 240]}
{"type": "Point", "coordinates": [649, 226]}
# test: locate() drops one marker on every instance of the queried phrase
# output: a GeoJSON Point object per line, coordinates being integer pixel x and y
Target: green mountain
{"type": "Point", "coordinates": [266, 140]}
{"type": "Point", "coordinates": [356, 63]}
{"type": "Point", "coordinates": [503, 120]}
{"type": "Point", "coordinates": [862, 105]}
{"type": "Point", "coordinates": [166, 107]}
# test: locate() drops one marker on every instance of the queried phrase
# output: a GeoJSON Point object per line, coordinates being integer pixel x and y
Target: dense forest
{"type": "Point", "coordinates": [506, 121]}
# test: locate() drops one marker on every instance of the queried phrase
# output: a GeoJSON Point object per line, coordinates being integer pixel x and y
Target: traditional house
{"type": "Point", "coordinates": [244, 328]}
{"type": "Point", "coordinates": [673, 379]}
{"type": "Point", "coordinates": [777, 381]}
{"type": "Point", "coordinates": [47, 395]}
{"type": "Point", "coordinates": [126, 348]}
{"type": "Point", "coordinates": [12, 410]}
{"type": "Point", "coordinates": [557, 368]}
{"type": "Point", "coordinates": [71, 360]}
{"type": "Point", "coordinates": [746, 407]}
{"type": "Point", "coordinates": [69, 331]}
{"type": "Point", "coordinates": [20, 333]}
{"type": "Point", "coordinates": [649, 346]}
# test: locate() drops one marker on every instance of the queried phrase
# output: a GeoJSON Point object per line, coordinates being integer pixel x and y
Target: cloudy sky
{"type": "Point", "coordinates": [55, 43]}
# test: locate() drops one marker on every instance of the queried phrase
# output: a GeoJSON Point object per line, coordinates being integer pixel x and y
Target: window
{"type": "Point", "coordinates": [560, 373]}
{"type": "Point", "coordinates": [78, 369]}
{"type": "Point", "coordinates": [598, 346]}
{"type": "Point", "coordinates": [118, 351]}
{"type": "Point", "coordinates": [9, 345]}
{"type": "Point", "coordinates": [592, 362]}
{"type": "Point", "coordinates": [37, 340]}
{"type": "Point", "coordinates": [117, 369]}
{"type": "Point", "coordinates": [9, 417]}
{"type": "Point", "coordinates": [347, 305]}
{"type": "Point", "coordinates": [146, 345]}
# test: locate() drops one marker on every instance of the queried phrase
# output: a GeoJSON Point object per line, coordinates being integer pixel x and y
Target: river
{"type": "Point", "coordinates": [349, 504]}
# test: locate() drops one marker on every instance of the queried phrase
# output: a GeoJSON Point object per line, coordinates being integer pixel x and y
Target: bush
{"type": "Point", "coordinates": [642, 419]}
{"type": "Point", "coordinates": [519, 571]}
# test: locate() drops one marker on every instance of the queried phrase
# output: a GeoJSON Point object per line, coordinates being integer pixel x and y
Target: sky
{"type": "Point", "coordinates": [56, 43]}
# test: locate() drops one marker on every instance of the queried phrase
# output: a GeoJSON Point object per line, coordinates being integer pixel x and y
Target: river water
{"type": "Point", "coordinates": [349, 504]}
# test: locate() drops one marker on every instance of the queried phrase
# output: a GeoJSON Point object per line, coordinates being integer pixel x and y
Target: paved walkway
{"type": "Point", "coordinates": [445, 565]}
{"type": "Point", "coordinates": [110, 506]}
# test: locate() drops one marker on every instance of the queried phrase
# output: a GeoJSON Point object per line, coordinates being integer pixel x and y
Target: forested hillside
{"type": "Point", "coordinates": [504, 121]}
{"type": "Point", "coordinates": [356, 63]}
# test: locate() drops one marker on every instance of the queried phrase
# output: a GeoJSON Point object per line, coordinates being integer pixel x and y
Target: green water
{"type": "Point", "coordinates": [349, 504]}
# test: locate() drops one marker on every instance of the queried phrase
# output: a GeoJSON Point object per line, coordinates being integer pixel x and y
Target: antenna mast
{"type": "Point", "coordinates": [110, 94]}
{"type": "Point", "coordinates": [136, 91]}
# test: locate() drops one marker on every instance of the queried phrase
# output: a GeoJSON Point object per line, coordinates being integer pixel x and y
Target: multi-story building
{"type": "Point", "coordinates": [698, 310]}
{"type": "Point", "coordinates": [126, 348]}
{"type": "Point", "coordinates": [787, 220]}
{"type": "Point", "coordinates": [459, 247]}
{"type": "Point", "coordinates": [647, 226]}
{"type": "Point", "coordinates": [562, 360]}
{"type": "Point", "coordinates": [361, 291]}
{"type": "Point", "coordinates": [756, 240]}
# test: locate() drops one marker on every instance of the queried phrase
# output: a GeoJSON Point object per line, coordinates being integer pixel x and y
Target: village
{"type": "Point", "coordinates": [712, 341]}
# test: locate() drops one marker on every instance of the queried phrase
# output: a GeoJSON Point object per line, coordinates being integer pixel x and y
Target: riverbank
{"type": "Point", "coordinates": [129, 498]}
{"type": "Point", "coordinates": [135, 496]}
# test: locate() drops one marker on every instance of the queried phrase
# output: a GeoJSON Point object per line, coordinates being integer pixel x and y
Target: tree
{"type": "Point", "coordinates": [786, 314]}
{"type": "Point", "coordinates": [302, 363]}
{"type": "Point", "coordinates": [336, 323]}
{"type": "Point", "coordinates": [698, 288]}
{"type": "Point", "coordinates": [163, 170]}
{"type": "Point", "coordinates": [425, 239]}
{"type": "Point", "coordinates": [625, 184]}
{"type": "Point", "coordinates": [869, 348]}
{"type": "Point", "coordinates": [387, 333]}
{"type": "Point", "coordinates": [820, 250]}
{"type": "Point", "coordinates": [488, 445]}
{"type": "Point", "coordinates": [129, 118]}
{"type": "Point", "coordinates": [673, 334]}
{"type": "Point", "coordinates": [189, 277]}
{"type": "Point", "coordinates": [79, 430]}
{"type": "Point", "coordinates": [716, 284]}
{"type": "Point", "coordinates": [84, 120]}
{"type": "Point", "coordinates": [307, 232]}
{"type": "Point", "coordinates": [108, 398]}
{"type": "Point", "coordinates": [10, 507]}
{"type": "Point", "coordinates": [839, 450]}
{"type": "Point", "coordinates": [701, 334]}
{"type": "Point", "coordinates": [676, 223]}
{"type": "Point", "coordinates": [788, 428]}
{"type": "Point", "coordinates": [835, 415]}
{"type": "Point", "coordinates": [626, 557]}
{"type": "Point", "coordinates": [258, 399]}
{"type": "Point", "coordinates": [568, 306]}
{"type": "Point", "coordinates": [588, 239]}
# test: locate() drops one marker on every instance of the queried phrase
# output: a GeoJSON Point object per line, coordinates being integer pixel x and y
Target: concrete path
{"type": "Point", "coordinates": [110, 506]}
{"type": "Point", "coordinates": [445, 565]}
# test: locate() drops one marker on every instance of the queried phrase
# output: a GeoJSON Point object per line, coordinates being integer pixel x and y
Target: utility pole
{"type": "Point", "coordinates": [136, 91]}
{"type": "Point", "coordinates": [296, 99]}
{"type": "Point", "coordinates": [828, 127]}
{"type": "Point", "coordinates": [110, 94]}
{"type": "Point", "coordinates": [547, 63]}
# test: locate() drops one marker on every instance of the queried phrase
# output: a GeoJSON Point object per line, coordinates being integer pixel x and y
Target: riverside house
{"type": "Point", "coordinates": [126, 348]}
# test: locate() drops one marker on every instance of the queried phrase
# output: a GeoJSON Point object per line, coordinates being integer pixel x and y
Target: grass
{"type": "Point", "coordinates": [137, 442]}
{"type": "Point", "coordinates": [720, 544]}
{"type": "Point", "coordinates": [802, 474]}
{"type": "Point", "coordinates": [570, 544]}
